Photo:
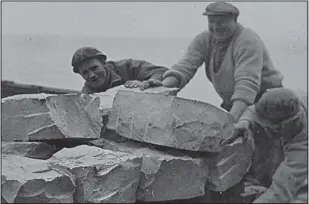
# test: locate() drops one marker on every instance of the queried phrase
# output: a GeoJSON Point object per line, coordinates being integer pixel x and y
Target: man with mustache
{"type": "Point", "coordinates": [280, 116]}
{"type": "Point", "coordinates": [236, 61]}
{"type": "Point", "coordinates": [101, 75]}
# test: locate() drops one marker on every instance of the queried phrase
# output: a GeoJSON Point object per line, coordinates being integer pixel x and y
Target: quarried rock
{"type": "Point", "coordinates": [165, 176]}
{"type": "Point", "coordinates": [18, 148]}
{"type": "Point", "coordinates": [25, 180]}
{"type": "Point", "coordinates": [103, 176]}
{"type": "Point", "coordinates": [47, 117]}
{"type": "Point", "coordinates": [170, 121]}
{"type": "Point", "coordinates": [229, 166]}
{"type": "Point", "coordinates": [107, 98]}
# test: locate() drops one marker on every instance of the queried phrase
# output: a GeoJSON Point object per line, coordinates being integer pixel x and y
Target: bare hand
{"type": "Point", "coordinates": [133, 84]}
{"type": "Point", "coordinates": [241, 130]}
{"type": "Point", "coordinates": [150, 83]}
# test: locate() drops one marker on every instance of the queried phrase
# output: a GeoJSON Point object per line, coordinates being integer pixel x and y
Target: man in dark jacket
{"type": "Point", "coordinates": [280, 116]}
{"type": "Point", "coordinates": [101, 75]}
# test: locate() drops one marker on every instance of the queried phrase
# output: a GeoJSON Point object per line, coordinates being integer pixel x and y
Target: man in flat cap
{"type": "Point", "coordinates": [236, 61]}
{"type": "Point", "coordinates": [101, 75]}
{"type": "Point", "coordinates": [279, 116]}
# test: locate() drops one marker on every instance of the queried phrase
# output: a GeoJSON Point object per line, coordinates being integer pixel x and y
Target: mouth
{"type": "Point", "coordinates": [95, 80]}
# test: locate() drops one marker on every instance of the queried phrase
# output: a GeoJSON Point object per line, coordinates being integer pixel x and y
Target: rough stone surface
{"type": "Point", "coordinates": [107, 98]}
{"type": "Point", "coordinates": [46, 117]}
{"type": "Point", "coordinates": [35, 181]}
{"type": "Point", "coordinates": [170, 121]}
{"type": "Point", "coordinates": [18, 148]}
{"type": "Point", "coordinates": [165, 176]}
{"type": "Point", "coordinates": [103, 176]}
{"type": "Point", "coordinates": [229, 166]}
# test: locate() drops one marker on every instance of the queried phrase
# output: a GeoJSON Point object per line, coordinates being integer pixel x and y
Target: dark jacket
{"type": "Point", "coordinates": [126, 70]}
{"type": "Point", "coordinates": [291, 174]}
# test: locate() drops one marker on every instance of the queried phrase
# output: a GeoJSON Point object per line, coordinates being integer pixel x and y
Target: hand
{"type": "Point", "coordinates": [133, 84]}
{"type": "Point", "coordinates": [241, 130]}
{"type": "Point", "coordinates": [150, 83]}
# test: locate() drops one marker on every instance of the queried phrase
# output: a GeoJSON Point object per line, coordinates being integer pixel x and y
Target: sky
{"type": "Point", "coordinates": [272, 20]}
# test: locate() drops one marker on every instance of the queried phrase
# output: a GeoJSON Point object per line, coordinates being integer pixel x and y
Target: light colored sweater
{"type": "Point", "coordinates": [245, 71]}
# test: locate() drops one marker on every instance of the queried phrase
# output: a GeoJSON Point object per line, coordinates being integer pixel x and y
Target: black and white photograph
{"type": "Point", "coordinates": [154, 102]}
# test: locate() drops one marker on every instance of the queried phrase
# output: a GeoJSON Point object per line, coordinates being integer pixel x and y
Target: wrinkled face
{"type": "Point", "coordinates": [93, 71]}
{"type": "Point", "coordinates": [222, 27]}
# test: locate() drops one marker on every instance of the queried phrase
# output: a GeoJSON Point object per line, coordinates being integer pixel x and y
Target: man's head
{"type": "Point", "coordinates": [90, 63]}
{"type": "Point", "coordinates": [222, 19]}
{"type": "Point", "coordinates": [281, 108]}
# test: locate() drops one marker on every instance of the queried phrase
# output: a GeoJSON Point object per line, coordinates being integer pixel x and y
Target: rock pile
{"type": "Point", "coordinates": [120, 146]}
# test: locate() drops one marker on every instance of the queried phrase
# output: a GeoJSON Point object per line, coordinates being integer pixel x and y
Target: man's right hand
{"type": "Point", "coordinates": [242, 125]}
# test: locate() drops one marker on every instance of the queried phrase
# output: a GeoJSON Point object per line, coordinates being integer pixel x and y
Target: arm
{"type": "Point", "coordinates": [184, 70]}
{"type": "Point", "coordinates": [86, 89]}
{"type": "Point", "coordinates": [142, 70]}
{"type": "Point", "coordinates": [248, 71]}
{"type": "Point", "coordinates": [290, 175]}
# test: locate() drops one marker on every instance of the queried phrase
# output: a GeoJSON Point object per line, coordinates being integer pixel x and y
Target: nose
{"type": "Point", "coordinates": [92, 75]}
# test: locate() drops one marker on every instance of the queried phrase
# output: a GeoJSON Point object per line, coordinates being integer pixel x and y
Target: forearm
{"type": "Point", "coordinates": [238, 108]}
{"type": "Point", "coordinates": [170, 82]}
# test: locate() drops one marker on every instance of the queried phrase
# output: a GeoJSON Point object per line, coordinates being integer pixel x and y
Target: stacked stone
{"type": "Point", "coordinates": [120, 146]}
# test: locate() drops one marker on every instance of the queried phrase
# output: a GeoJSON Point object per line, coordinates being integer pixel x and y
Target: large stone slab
{"type": "Point", "coordinates": [25, 180]}
{"type": "Point", "coordinates": [107, 98]}
{"type": "Point", "coordinates": [165, 176]}
{"type": "Point", "coordinates": [229, 166]}
{"type": "Point", "coordinates": [46, 117]}
{"type": "Point", "coordinates": [103, 176]}
{"type": "Point", "coordinates": [170, 121]}
{"type": "Point", "coordinates": [18, 148]}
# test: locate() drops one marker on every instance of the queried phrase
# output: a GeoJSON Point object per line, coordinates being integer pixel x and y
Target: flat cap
{"type": "Point", "coordinates": [221, 8]}
{"type": "Point", "coordinates": [278, 99]}
{"type": "Point", "coordinates": [85, 53]}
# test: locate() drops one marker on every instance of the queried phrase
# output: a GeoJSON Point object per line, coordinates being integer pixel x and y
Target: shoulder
{"type": "Point", "coordinates": [249, 37]}
{"type": "Point", "coordinates": [201, 37]}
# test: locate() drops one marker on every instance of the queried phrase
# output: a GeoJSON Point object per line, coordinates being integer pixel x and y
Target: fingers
{"type": "Point", "coordinates": [132, 84]}
{"type": "Point", "coordinates": [144, 85]}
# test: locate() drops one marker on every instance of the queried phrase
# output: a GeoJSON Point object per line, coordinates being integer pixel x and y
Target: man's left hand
{"type": "Point", "coordinates": [238, 109]}
{"type": "Point", "coordinates": [133, 84]}
{"type": "Point", "coordinates": [143, 84]}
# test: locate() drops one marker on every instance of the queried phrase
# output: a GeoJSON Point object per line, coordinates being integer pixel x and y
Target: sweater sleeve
{"type": "Point", "coordinates": [248, 69]}
{"type": "Point", "coordinates": [291, 173]}
{"type": "Point", "coordinates": [186, 67]}
{"type": "Point", "coordinates": [249, 115]}
{"type": "Point", "coordinates": [132, 69]}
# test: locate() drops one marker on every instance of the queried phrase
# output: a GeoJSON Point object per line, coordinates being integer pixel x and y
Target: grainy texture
{"type": "Point", "coordinates": [170, 121]}
{"type": "Point", "coordinates": [165, 176]}
{"type": "Point", "coordinates": [18, 148]}
{"type": "Point", "coordinates": [229, 166]}
{"type": "Point", "coordinates": [35, 181]}
{"type": "Point", "coordinates": [48, 117]}
{"type": "Point", "coordinates": [103, 176]}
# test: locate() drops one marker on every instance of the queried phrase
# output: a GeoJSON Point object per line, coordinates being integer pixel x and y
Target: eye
{"type": "Point", "coordinates": [85, 72]}
{"type": "Point", "coordinates": [94, 68]}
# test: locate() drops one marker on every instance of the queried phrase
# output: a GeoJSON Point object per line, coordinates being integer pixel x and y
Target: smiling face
{"type": "Point", "coordinates": [222, 26]}
{"type": "Point", "coordinates": [93, 71]}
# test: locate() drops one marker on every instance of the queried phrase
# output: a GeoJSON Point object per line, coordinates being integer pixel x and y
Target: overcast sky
{"type": "Point", "coordinates": [285, 20]}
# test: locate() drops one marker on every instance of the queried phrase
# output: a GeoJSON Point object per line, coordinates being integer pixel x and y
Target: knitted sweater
{"type": "Point", "coordinates": [245, 71]}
